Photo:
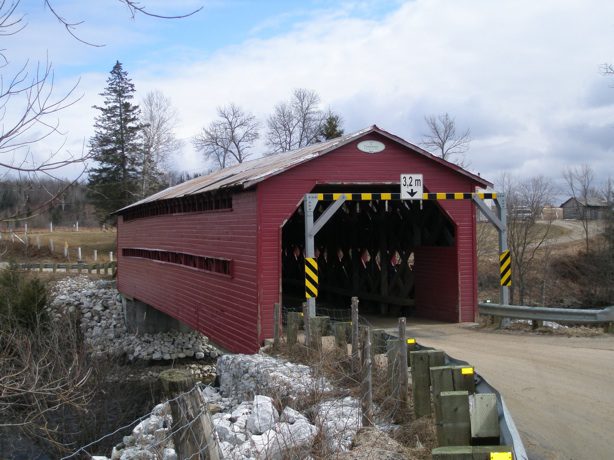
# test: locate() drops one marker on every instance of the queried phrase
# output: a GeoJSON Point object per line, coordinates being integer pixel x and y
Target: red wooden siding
{"type": "Point", "coordinates": [279, 196]}
{"type": "Point", "coordinates": [437, 289]}
{"type": "Point", "coordinates": [220, 306]}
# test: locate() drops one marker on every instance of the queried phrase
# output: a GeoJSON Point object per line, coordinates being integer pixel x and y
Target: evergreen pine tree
{"type": "Point", "coordinates": [331, 128]}
{"type": "Point", "coordinates": [117, 147]}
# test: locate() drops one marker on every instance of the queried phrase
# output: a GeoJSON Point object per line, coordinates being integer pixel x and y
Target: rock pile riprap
{"type": "Point", "coordinates": [102, 322]}
{"type": "Point", "coordinates": [258, 426]}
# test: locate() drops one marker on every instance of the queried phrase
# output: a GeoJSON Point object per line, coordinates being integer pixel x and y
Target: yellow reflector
{"type": "Point", "coordinates": [410, 341]}
{"type": "Point", "coordinates": [501, 456]}
{"type": "Point", "coordinates": [467, 371]}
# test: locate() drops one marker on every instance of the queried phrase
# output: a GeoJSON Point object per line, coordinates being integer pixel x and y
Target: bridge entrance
{"type": "Point", "coordinates": [369, 248]}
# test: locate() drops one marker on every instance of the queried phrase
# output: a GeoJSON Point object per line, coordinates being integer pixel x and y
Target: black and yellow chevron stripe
{"type": "Point", "coordinates": [397, 196]}
{"type": "Point", "coordinates": [505, 268]}
{"type": "Point", "coordinates": [311, 278]}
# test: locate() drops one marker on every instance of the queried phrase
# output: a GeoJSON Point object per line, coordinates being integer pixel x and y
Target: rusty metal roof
{"type": "Point", "coordinates": [249, 173]}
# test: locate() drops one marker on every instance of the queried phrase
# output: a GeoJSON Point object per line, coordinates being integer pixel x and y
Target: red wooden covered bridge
{"type": "Point", "coordinates": [218, 252]}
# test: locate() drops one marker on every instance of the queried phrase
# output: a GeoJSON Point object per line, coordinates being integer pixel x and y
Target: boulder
{"type": "Point", "coordinates": [264, 415]}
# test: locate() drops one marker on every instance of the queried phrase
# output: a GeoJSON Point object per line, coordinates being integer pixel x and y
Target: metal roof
{"type": "Point", "coordinates": [591, 202]}
{"type": "Point", "coordinates": [249, 173]}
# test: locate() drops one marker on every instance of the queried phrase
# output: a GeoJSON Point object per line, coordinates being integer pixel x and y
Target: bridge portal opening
{"type": "Point", "coordinates": [370, 249]}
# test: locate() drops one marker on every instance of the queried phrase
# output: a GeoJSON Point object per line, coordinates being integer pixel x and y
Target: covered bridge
{"type": "Point", "coordinates": [218, 251]}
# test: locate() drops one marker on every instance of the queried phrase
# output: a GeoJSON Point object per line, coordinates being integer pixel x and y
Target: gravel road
{"type": "Point", "coordinates": [560, 390]}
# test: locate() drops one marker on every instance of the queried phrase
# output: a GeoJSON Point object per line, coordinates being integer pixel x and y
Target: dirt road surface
{"type": "Point", "coordinates": [559, 390]}
{"type": "Point", "coordinates": [574, 231]}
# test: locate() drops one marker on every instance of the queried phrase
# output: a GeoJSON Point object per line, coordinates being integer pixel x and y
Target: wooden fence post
{"type": "Point", "coordinates": [294, 319]}
{"type": "Point", "coordinates": [194, 434]}
{"type": "Point", "coordinates": [367, 379]}
{"type": "Point", "coordinates": [355, 353]}
{"type": "Point", "coordinates": [378, 341]}
{"type": "Point", "coordinates": [392, 354]}
{"type": "Point", "coordinates": [403, 377]}
{"type": "Point", "coordinates": [276, 325]}
{"type": "Point", "coordinates": [341, 335]}
{"type": "Point", "coordinates": [454, 425]}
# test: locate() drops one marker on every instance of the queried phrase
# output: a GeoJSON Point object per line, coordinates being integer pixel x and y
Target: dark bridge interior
{"type": "Point", "coordinates": [366, 250]}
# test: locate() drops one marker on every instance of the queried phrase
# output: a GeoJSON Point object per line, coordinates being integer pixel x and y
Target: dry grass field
{"type": "Point", "coordinates": [40, 243]}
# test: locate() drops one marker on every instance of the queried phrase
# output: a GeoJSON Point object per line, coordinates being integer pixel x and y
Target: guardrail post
{"type": "Point", "coordinates": [450, 378]}
{"type": "Point", "coordinates": [484, 418]}
{"type": "Point", "coordinates": [341, 335]}
{"type": "Point", "coordinates": [453, 424]}
{"type": "Point", "coordinates": [472, 453]}
{"type": "Point", "coordinates": [421, 383]}
{"type": "Point", "coordinates": [294, 319]}
{"type": "Point", "coordinates": [317, 328]}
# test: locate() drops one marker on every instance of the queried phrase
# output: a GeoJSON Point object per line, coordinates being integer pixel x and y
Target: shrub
{"type": "Point", "coordinates": [22, 299]}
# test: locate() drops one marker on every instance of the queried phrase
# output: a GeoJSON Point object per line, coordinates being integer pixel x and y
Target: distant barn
{"type": "Point", "coordinates": [218, 251]}
{"type": "Point", "coordinates": [579, 208]}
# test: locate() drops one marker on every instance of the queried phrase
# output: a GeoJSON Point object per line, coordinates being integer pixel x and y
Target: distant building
{"type": "Point", "coordinates": [552, 213]}
{"type": "Point", "coordinates": [578, 208]}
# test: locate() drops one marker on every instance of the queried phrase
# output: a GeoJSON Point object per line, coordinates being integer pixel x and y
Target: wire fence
{"type": "Point", "coordinates": [173, 424]}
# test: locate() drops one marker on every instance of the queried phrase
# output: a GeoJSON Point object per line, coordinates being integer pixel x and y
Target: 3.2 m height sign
{"type": "Point", "coordinates": [412, 186]}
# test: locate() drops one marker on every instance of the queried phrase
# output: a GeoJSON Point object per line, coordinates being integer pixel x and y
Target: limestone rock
{"type": "Point", "coordinates": [264, 415]}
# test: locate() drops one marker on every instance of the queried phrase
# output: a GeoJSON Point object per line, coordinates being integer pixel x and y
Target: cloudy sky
{"type": "Point", "coordinates": [523, 75]}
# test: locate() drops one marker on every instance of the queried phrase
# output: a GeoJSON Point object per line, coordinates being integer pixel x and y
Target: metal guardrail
{"type": "Point", "coordinates": [559, 315]}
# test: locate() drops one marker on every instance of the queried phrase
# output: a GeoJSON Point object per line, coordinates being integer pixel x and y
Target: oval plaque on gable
{"type": "Point", "coordinates": [371, 146]}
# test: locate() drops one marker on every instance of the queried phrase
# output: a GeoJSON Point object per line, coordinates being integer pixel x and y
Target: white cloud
{"type": "Point", "coordinates": [523, 75]}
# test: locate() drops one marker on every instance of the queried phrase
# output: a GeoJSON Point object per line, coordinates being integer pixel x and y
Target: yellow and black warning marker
{"type": "Point", "coordinates": [505, 268]}
{"type": "Point", "coordinates": [397, 196]}
{"type": "Point", "coordinates": [311, 278]}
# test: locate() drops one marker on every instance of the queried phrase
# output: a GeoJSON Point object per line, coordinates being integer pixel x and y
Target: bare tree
{"type": "Point", "coordinates": [133, 7]}
{"type": "Point", "coordinates": [580, 185]}
{"type": "Point", "coordinates": [443, 139]}
{"type": "Point", "coordinates": [229, 139]}
{"type": "Point", "coordinates": [296, 123]}
{"type": "Point", "coordinates": [29, 106]}
{"type": "Point", "coordinates": [526, 236]}
{"type": "Point", "coordinates": [159, 119]}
